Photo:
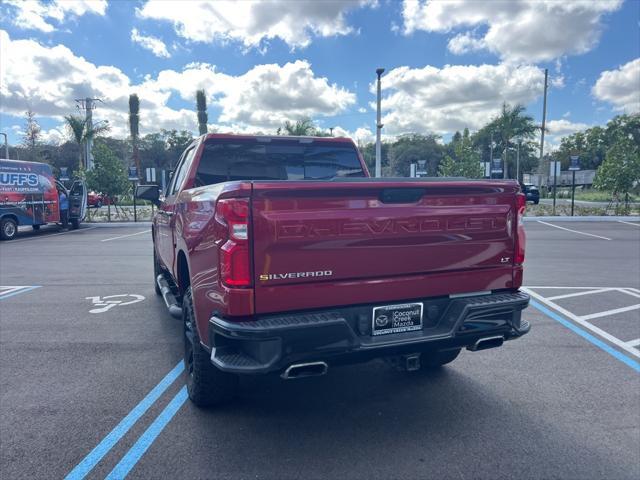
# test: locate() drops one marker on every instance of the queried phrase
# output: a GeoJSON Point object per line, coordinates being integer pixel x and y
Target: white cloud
{"type": "Point", "coordinates": [562, 128]}
{"type": "Point", "coordinates": [252, 22]}
{"type": "Point", "coordinates": [519, 30]}
{"type": "Point", "coordinates": [48, 79]}
{"type": "Point", "coordinates": [620, 87]}
{"type": "Point", "coordinates": [37, 15]}
{"type": "Point", "coordinates": [153, 44]}
{"type": "Point", "coordinates": [56, 135]}
{"type": "Point", "coordinates": [447, 99]}
{"type": "Point", "coordinates": [360, 135]}
{"type": "Point", "coordinates": [465, 43]}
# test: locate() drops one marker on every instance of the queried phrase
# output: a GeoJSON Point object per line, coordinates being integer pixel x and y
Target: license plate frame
{"type": "Point", "coordinates": [396, 323]}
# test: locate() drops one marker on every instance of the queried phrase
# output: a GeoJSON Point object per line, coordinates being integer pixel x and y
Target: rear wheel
{"type": "Point", "coordinates": [75, 223]}
{"type": "Point", "coordinates": [207, 386]}
{"type": "Point", "coordinates": [433, 360]}
{"type": "Point", "coordinates": [35, 227]}
{"type": "Point", "coordinates": [8, 229]}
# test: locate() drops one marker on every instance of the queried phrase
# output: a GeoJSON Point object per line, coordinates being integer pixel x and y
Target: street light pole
{"type": "Point", "coordinates": [518, 161]}
{"type": "Point", "coordinates": [6, 145]}
{"type": "Point", "coordinates": [379, 72]}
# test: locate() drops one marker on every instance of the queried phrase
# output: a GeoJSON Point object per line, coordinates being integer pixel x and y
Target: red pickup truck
{"type": "Point", "coordinates": [280, 254]}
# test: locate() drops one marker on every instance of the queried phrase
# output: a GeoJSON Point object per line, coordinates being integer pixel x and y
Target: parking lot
{"type": "Point", "coordinates": [91, 378]}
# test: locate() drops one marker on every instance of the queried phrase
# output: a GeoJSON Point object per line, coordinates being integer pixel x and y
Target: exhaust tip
{"type": "Point", "coordinates": [486, 343]}
{"type": "Point", "coordinates": [300, 370]}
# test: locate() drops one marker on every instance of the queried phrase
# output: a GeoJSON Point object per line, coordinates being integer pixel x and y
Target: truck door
{"type": "Point", "coordinates": [165, 240]}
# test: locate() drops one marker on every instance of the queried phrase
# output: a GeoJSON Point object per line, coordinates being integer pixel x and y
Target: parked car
{"type": "Point", "coordinates": [531, 192]}
{"type": "Point", "coordinates": [281, 255]}
{"type": "Point", "coordinates": [95, 200]}
{"type": "Point", "coordinates": [30, 195]}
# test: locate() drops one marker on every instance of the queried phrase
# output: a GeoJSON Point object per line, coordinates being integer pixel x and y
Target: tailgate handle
{"type": "Point", "coordinates": [401, 195]}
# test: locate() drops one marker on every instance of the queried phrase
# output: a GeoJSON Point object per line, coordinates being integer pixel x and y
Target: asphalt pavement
{"type": "Point", "coordinates": [91, 380]}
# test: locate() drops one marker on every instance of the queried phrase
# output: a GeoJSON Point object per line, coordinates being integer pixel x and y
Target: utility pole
{"type": "Point", "coordinates": [491, 157]}
{"type": "Point", "coordinates": [544, 115]}
{"type": "Point", "coordinates": [379, 72]}
{"type": "Point", "coordinates": [6, 146]}
{"type": "Point", "coordinates": [88, 104]}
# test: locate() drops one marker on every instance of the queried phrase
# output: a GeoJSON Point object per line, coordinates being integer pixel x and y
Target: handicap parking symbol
{"type": "Point", "coordinates": [104, 304]}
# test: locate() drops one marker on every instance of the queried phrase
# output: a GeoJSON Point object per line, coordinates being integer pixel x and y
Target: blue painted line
{"type": "Point", "coordinates": [587, 336]}
{"type": "Point", "coordinates": [135, 453]}
{"type": "Point", "coordinates": [18, 292]}
{"type": "Point", "coordinates": [92, 459]}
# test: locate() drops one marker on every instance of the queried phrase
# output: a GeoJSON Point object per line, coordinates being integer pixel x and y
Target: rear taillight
{"type": "Point", "coordinates": [235, 264]}
{"type": "Point", "coordinates": [521, 239]}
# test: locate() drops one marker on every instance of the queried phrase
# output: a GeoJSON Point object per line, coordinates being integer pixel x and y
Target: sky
{"type": "Point", "coordinates": [448, 64]}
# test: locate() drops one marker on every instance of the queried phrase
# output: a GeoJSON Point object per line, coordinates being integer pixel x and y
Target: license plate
{"type": "Point", "coordinates": [397, 318]}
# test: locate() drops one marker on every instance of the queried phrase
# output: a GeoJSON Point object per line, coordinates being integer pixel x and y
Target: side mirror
{"type": "Point", "coordinates": [148, 192]}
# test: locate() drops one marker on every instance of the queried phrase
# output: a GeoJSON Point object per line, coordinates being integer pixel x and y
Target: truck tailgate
{"type": "Point", "coordinates": [322, 244]}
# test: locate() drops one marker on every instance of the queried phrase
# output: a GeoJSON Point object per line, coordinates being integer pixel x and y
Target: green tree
{"type": "Point", "coordinates": [134, 129]}
{"type": "Point", "coordinates": [465, 162]}
{"type": "Point", "coordinates": [109, 175]}
{"type": "Point", "coordinates": [509, 126]}
{"type": "Point", "coordinates": [592, 145]}
{"type": "Point", "coordinates": [620, 171]}
{"type": "Point", "coordinates": [31, 137]}
{"type": "Point", "coordinates": [411, 148]}
{"type": "Point", "coordinates": [303, 127]}
{"type": "Point", "coordinates": [80, 132]}
{"type": "Point", "coordinates": [203, 117]}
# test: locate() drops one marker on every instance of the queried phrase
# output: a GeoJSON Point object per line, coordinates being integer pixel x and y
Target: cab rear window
{"type": "Point", "coordinates": [276, 160]}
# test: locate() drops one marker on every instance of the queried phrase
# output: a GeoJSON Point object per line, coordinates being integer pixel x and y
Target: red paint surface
{"type": "Point", "coordinates": [458, 237]}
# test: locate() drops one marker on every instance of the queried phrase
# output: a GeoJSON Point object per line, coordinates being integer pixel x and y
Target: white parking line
{"type": "Point", "coordinates": [607, 336]}
{"type": "Point", "coordinates": [630, 223]}
{"type": "Point", "coordinates": [577, 294]}
{"type": "Point", "coordinates": [630, 291]}
{"type": "Point", "coordinates": [574, 231]}
{"type": "Point", "coordinates": [606, 313]}
{"type": "Point", "coordinates": [634, 343]}
{"type": "Point", "coordinates": [124, 236]}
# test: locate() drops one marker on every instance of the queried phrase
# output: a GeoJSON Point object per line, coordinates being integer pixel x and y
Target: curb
{"type": "Point", "coordinates": [586, 218]}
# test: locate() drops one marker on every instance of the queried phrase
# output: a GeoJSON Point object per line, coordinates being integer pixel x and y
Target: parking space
{"type": "Point", "coordinates": [91, 379]}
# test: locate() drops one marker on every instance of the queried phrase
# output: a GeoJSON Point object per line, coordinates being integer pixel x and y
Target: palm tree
{"type": "Point", "coordinates": [201, 105]}
{"type": "Point", "coordinates": [76, 124]}
{"type": "Point", "coordinates": [511, 123]}
{"type": "Point", "coordinates": [81, 132]}
{"type": "Point", "coordinates": [134, 123]}
{"type": "Point", "coordinates": [302, 127]}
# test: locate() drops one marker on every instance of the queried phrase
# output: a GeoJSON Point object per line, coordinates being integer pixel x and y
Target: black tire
{"type": "Point", "coordinates": [8, 229]}
{"type": "Point", "coordinates": [206, 385]}
{"type": "Point", "coordinates": [35, 227]}
{"type": "Point", "coordinates": [433, 360]}
{"type": "Point", "coordinates": [156, 271]}
{"type": "Point", "coordinates": [536, 202]}
{"type": "Point", "coordinates": [75, 223]}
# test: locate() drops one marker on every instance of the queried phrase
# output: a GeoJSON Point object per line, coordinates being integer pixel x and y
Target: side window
{"type": "Point", "coordinates": [181, 172]}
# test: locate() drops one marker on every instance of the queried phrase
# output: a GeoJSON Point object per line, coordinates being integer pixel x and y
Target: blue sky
{"type": "Point", "coordinates": [448, 64]}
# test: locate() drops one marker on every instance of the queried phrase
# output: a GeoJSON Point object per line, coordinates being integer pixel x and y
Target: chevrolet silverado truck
{"type": "Point", "coordinates": [281, 255]}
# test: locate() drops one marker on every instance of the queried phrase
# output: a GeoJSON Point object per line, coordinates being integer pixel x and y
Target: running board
{"type": "Point", "coordinates": [175, 309]}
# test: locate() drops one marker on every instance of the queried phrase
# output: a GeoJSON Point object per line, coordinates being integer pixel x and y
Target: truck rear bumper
{"type": "Point", "coordinates": [343, 335]}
